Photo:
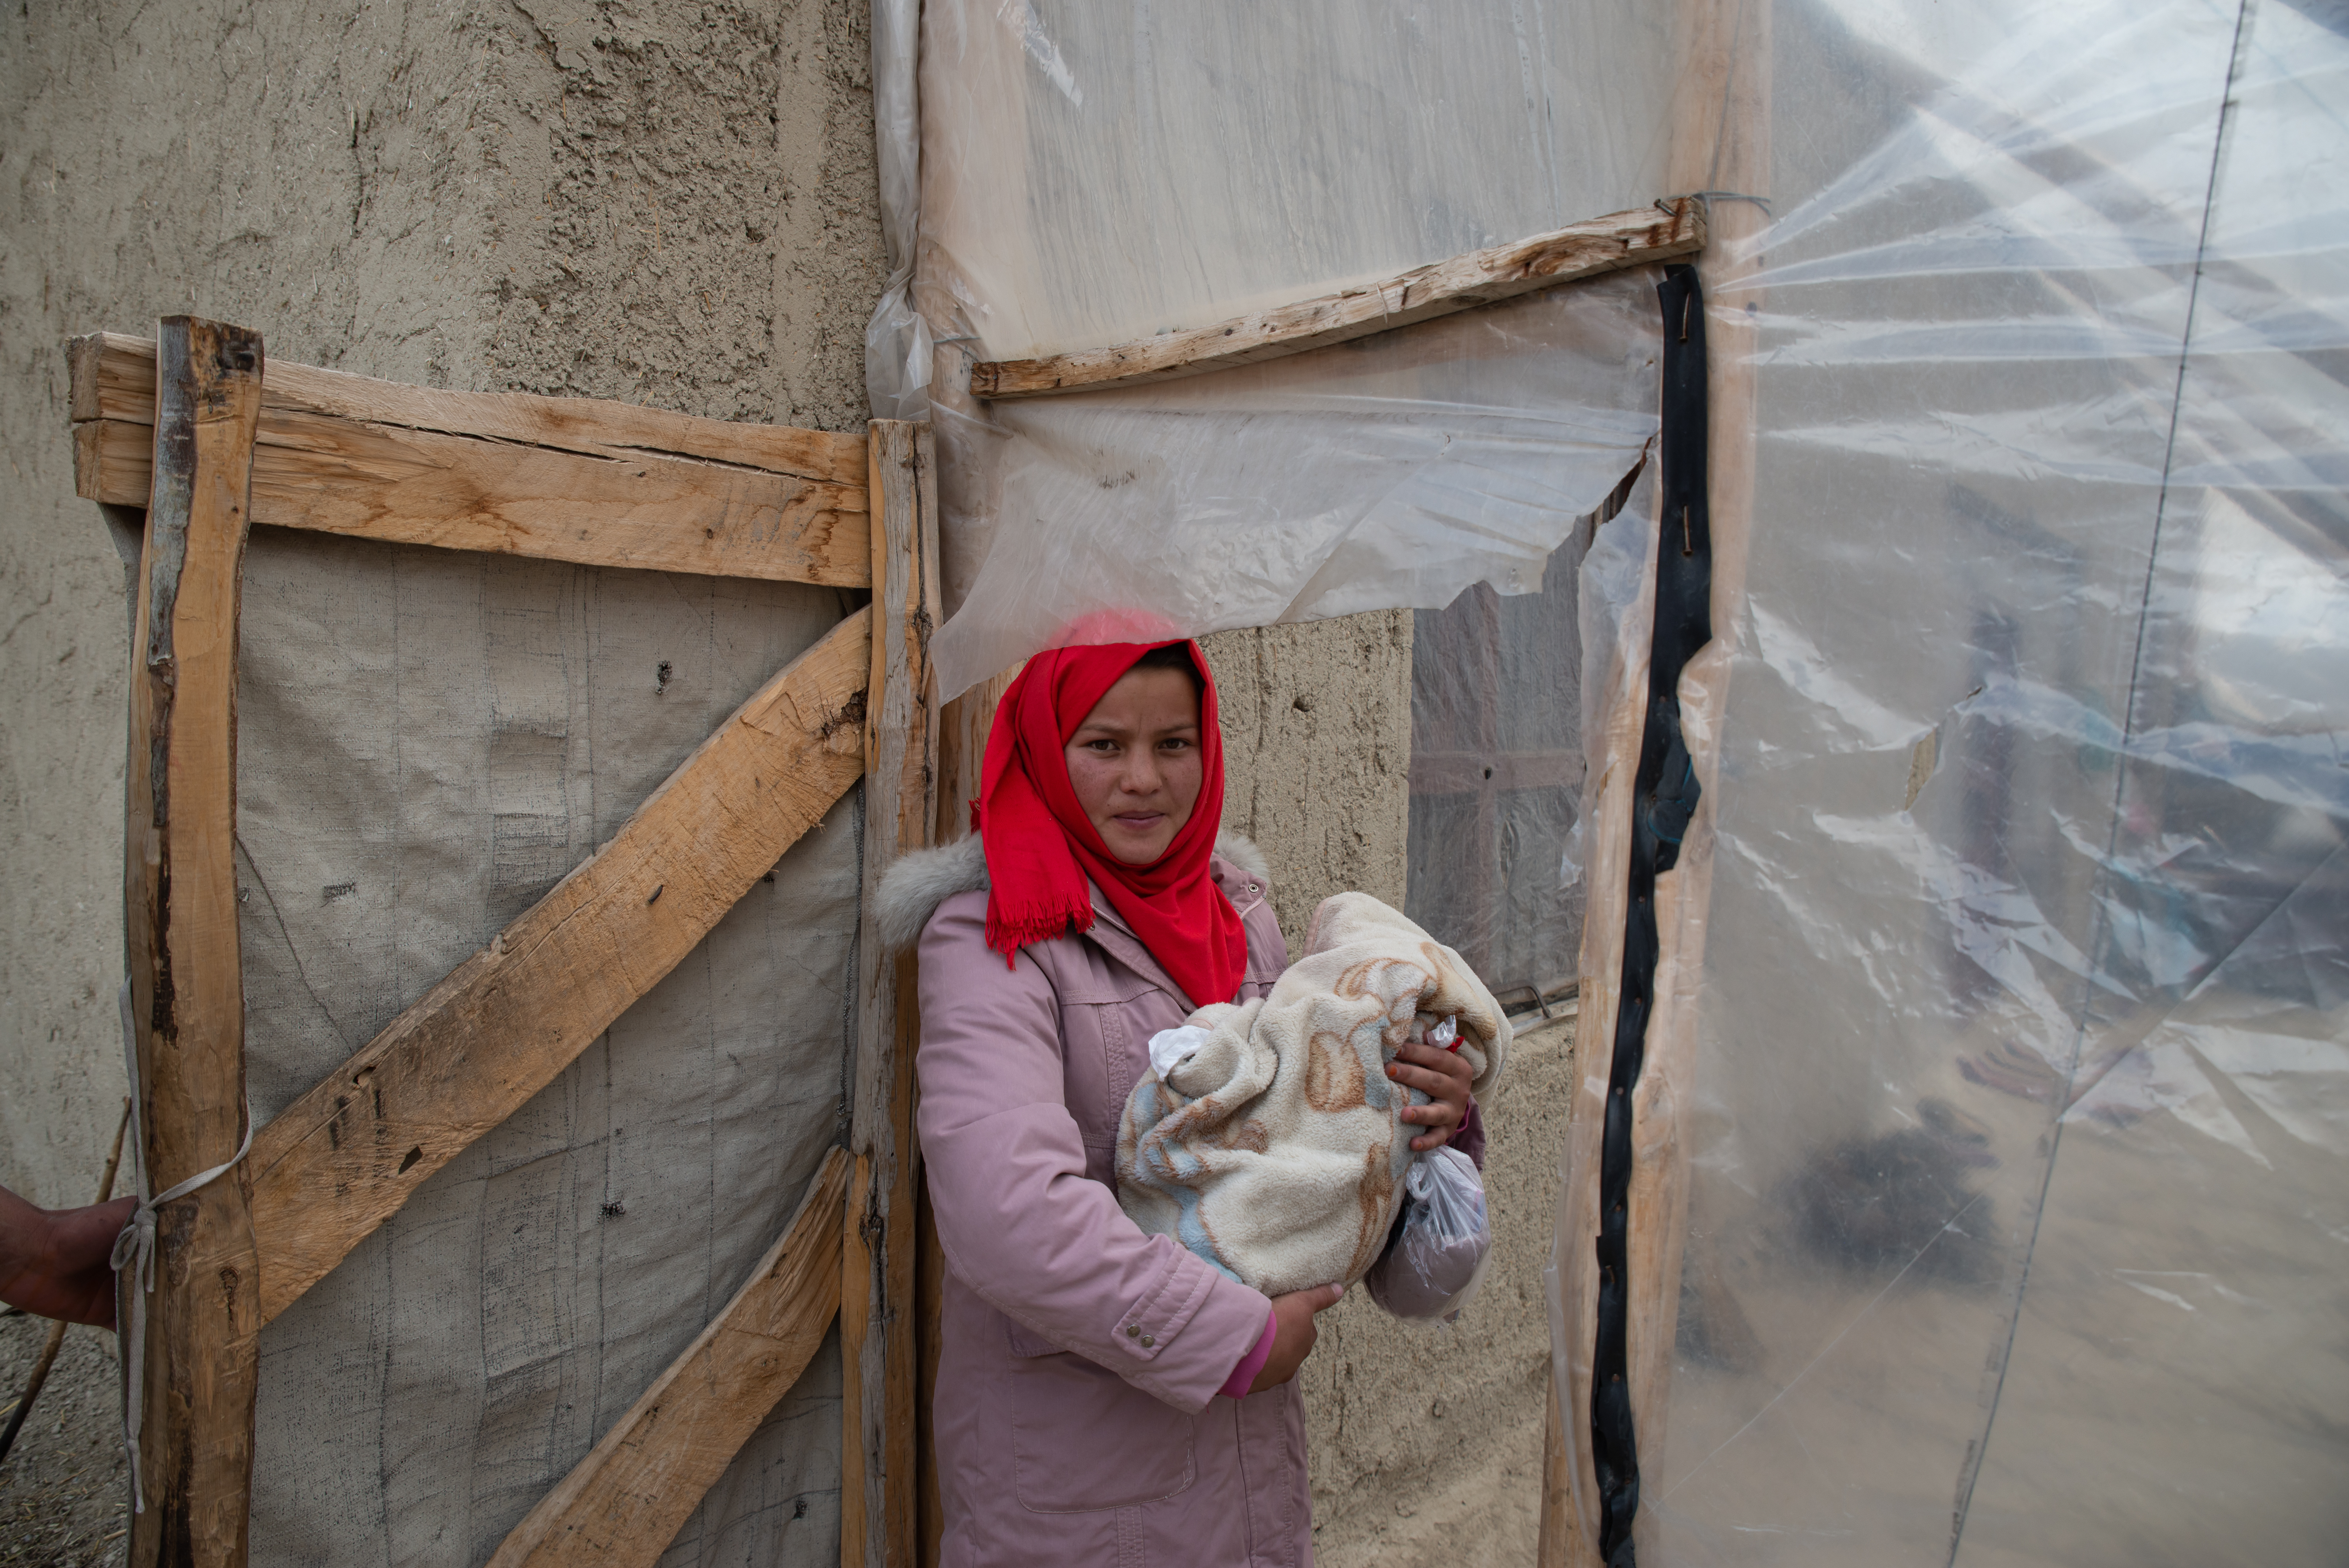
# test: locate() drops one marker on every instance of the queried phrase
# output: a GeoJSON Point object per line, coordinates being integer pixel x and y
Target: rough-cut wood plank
{"type": "Point", "coordinates": [561, 478]}
{"type": "Point", "coordinates": [187, 981]}
{"type": "Point", "coordinates": [1728, 135]}
{"type": "Point", "coordinates": [621, 1506]}
{"type": "Point", "coordinates": [113, 378]}
{"type": "Point", "coordinates": [1721, 137]}
{"type": "Point", "coordinates": [342, 1159]}
{"type": "Point", "coordinates": [879, 1480]}
{"type": "Point", "coordinates": [963, 725]}
{"type": "Point", "coordinates": [1551, 1545]}
{"type": "Point", "coordinates": [1578, 251]}
{"type": "Point", "coordinates": [113, 463]}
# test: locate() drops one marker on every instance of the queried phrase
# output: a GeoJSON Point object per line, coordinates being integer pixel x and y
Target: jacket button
{"type": "Point", "coordinates": [1147, 1341]}
{"type": "Point", "coordinates": [1130, 1330]}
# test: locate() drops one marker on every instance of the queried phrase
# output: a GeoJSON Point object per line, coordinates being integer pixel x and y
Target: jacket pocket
{"type": "Point", "coordinates": [1083, 1439]}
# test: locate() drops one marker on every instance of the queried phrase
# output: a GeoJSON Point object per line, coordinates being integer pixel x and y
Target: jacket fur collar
{"type": "Point", "coordinates": [911, 890]}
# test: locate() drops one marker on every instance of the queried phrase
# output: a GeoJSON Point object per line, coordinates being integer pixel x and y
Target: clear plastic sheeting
{"type": "Point", "coordinates": [1497, 777]}
{"type": "Point", "coordinates": [1096, 174]}
{"type": "Point", "coordinates": [1392, 472]}
{"type": "Point", "coordinates": [2008, 1080]}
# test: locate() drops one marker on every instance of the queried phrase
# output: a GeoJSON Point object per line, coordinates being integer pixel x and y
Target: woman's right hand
{"type": "Point", "coordinates": [1292, 1338]}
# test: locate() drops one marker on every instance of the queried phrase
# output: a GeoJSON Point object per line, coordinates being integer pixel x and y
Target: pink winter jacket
{"type": "Point", "coordinates": [1077, 1414]}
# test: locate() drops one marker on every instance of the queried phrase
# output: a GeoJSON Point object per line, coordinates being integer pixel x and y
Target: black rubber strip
{"type": "Point", "coordinates": [1665, 796]}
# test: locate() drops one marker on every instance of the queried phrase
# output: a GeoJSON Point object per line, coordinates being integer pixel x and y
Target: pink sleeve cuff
{"type": "Point", "coordinates": [1237, 1384]}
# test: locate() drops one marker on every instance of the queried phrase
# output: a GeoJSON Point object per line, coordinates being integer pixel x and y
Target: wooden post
{"type": "Point", "coordinates": [1720, 143]}
{"type": "Point", "coordinates": [879, 1514]}
{"type": "Point", "coordinates": [1551, 1547]}
{"type": "Point", "coordinates": [187, 988]}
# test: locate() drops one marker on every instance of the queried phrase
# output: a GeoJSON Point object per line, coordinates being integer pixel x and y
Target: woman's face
{"type": "Point", "coordinates": [1134, 763]}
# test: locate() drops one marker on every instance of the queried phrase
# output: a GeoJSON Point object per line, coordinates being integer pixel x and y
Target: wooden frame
{"type": "Point", "coordinates": [1620, 239]}
{"type": "Point", "coordinates": [200, 1359]}
{"type": "Point", "coordinates": [209, 441]}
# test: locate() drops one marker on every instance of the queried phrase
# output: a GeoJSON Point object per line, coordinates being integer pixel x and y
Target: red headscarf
{"type": "Point", "coordinates": [1041, 846]}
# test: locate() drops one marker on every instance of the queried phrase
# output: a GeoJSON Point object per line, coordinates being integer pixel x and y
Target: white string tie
{"type": "Point", "coordinates": [134, 1248]}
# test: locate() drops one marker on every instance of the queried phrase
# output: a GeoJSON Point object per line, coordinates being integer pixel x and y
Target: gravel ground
{"type": "Point", "coordinates": [64, 1488]}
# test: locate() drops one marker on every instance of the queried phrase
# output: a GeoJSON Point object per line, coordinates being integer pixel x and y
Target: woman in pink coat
{"type": "Point", "coordinates": [1103, 1396]}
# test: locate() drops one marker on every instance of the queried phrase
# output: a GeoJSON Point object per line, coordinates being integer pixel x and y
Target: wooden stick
{"type": "Point", "coordinates": [558, 479]}
{"type": "Point", "coordinates": [57, 1339]}
{"type": "Point", "coordinates": [113, 378]}
{"type": "Point", "coordinates": [187, 983]}
{"type": "Point", "coordinates": [622, 1505]}
{"type": "Point", "coordinates": [1580, 250]}
{"type": "Point", "coordinates": [342, 1159]}
{"type": "Point", "coordinates": [879, 1487]}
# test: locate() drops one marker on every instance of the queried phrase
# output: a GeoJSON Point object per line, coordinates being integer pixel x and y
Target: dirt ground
{"type": "Point", "coordinates": [63, 1488]}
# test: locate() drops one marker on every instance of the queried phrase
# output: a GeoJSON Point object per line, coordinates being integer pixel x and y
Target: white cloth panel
{"type": "Point", "coordinates": [1098, 173]}
{"type": "Point", "coordinates": [2019, 1148]}
{"type": "Point", "coordinates": [429, 741]}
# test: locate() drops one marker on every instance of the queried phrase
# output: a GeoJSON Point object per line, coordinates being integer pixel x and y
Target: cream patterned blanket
{"type": "Point", "coordinates": [1273, 1149]}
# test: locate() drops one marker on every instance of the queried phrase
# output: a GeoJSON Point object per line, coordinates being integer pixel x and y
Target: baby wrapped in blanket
{"type": "Point", "coordinates": [1274, 1150]}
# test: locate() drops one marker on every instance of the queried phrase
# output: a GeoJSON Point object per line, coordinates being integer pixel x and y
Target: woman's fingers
{"type": "Point", "coordinates": [1442, 1075]}
{"type": "Point", "coordinates": [1294, 1332]}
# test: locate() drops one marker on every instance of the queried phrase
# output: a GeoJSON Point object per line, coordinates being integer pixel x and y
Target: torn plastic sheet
{"type": "Point", "coordinates": [2006, 1077]}
{"type": "Point", "coordinates": [1387, 473]}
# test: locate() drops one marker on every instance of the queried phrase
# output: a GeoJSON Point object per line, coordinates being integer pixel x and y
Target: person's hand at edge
{"type": "Point", "coordinates": [1292, 1341]}
{"type": "Point", "coordinates": [59, 1262]}
{"type": "Point", "coordinates": [1443, 1077]}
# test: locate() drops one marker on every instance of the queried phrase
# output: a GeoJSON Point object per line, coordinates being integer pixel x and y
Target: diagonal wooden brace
{"type": "Point", "coordinates": [622, 1505]}
{"type": "Point", "coordinates": [472, 1051]}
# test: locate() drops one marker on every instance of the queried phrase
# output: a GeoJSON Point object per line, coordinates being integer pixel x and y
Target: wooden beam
{"type": "Point", "coordinates": [879, 1488]}
{"type": "Point", "coordinates": [563, 479]}
{"type": "Point", "coordinates": [342, 1159]}
{"type": "Point", "coordinates": [622, 1505]}
{"type": "Point", "coordinates": [113, 378]}
{"type": "Point", "coordinates": [187, 982]}
{"type": "Point", "coordinates": [1481, 277]}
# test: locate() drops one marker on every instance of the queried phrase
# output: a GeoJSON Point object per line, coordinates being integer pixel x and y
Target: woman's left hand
{"type": "Point", "coordinates": [1441, 1075]}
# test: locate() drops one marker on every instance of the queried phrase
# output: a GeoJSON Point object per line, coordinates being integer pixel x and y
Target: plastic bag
{"type": "Point", "coordinates": [1435, 1263]}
